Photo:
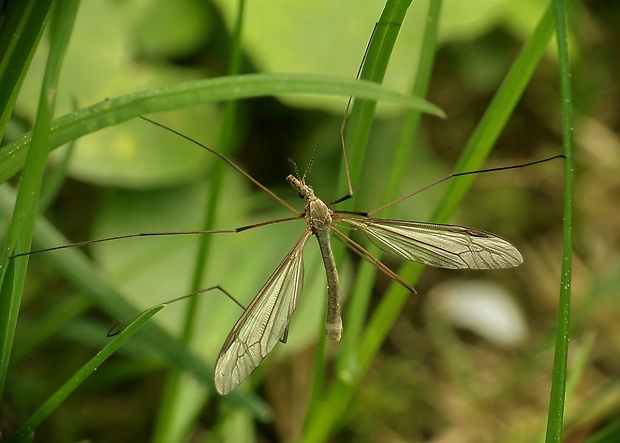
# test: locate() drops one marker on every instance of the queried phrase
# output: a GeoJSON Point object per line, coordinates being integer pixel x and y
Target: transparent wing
{"type": "Point", "coordinates": [443, 246]}
{"type": "Point", "coordinates": [263, 323]}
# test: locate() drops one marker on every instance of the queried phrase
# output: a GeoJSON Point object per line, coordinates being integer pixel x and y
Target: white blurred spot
{"type": "Point", "coordinates": [484, 308]}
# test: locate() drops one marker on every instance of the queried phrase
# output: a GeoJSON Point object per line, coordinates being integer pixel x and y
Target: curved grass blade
{"type": "Point", "coordinates": [114, 111]}
{"type": "Point", "coordinates": [22, 26]}
{"type": "Point", "coordinates": [76, 380]}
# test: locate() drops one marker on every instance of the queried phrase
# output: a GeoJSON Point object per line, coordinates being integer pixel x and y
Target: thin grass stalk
{"type": "Point", "coordinates": [347, 359]}
{"type": "Point", "coordinates": [555, 417]}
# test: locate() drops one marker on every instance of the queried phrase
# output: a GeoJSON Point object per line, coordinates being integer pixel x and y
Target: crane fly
{"type": "Point", "coordinates": [265, 321]}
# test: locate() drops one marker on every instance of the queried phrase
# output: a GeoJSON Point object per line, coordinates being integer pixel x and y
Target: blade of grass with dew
{"type": "Point", "coordinates": [359, 125]}
{"type": "Point", "coordinates": [50, 405]}
{"type": "Point", "coordinates": [110, 112]}
{"type": "Point", "coordinates": [337, 398]}
{"type": "Point", "coordinates": [560, 361]}
{"type": "Point", "coordinates": [26, 209]}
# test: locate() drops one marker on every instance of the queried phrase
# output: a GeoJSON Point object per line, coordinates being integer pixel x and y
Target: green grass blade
{"type": "Point", "coordinates": [481, 142]}
{"type": "Point", "coordinates": [359, 123]}
{"type": "Point", "coordinates": [76, 380]}
{"type": "Point", "coordinates": [357, 307]}
{"type": "Point", "coordinates": [558, 384]}
{"type": "Point", "coordinates": [111, 112]}
{"type": "Point", "coordinates": [56, 178]}
{"type": "Point", "coordinates": [26, 209]}
{"type": "Point", "coordinates": [22, 26]}
{"type": "Point", "coordinates": [495, 118]}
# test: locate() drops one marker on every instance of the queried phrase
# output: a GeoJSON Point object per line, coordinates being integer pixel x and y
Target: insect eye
{"type": "Point", "coordinates": [302, 193]}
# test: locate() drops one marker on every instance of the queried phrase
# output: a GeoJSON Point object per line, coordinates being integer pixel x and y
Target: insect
{"type": "Point", "coordinates": [266, 319]}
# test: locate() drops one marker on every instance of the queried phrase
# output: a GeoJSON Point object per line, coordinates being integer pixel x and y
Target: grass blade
{"type": "Point", "coordinates": [82, 374]}
{"type": "Point", "coordinates": [357, 309]}
{"type": "Point", "coordinates": [22, 26]}
{"type": "Point", "coordinates": [558, 384]}
{"type": "Point", "coordinates": [111, 112]}
{"type": "Point", "coordinates": [359, 125]}
{"type": "Point", "coordinates": [26, 209]}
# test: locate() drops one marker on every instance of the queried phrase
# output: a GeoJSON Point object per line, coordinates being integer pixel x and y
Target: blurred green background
{"type": "Point", "coordinates": [469, 359]}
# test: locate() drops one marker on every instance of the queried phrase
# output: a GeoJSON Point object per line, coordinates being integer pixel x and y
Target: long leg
{"type": "Point", "coordinates": [460, 174]}
{"type": "Point", "coordinates": [118, 327]}
{"type": "Point", "coordinates": [349, 193]}
{"type": "Point", "coordinates": [160, 234]}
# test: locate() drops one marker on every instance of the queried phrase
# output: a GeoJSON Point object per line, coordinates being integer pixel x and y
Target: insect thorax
{"type": "Point", "coordinates": [319, 215]}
